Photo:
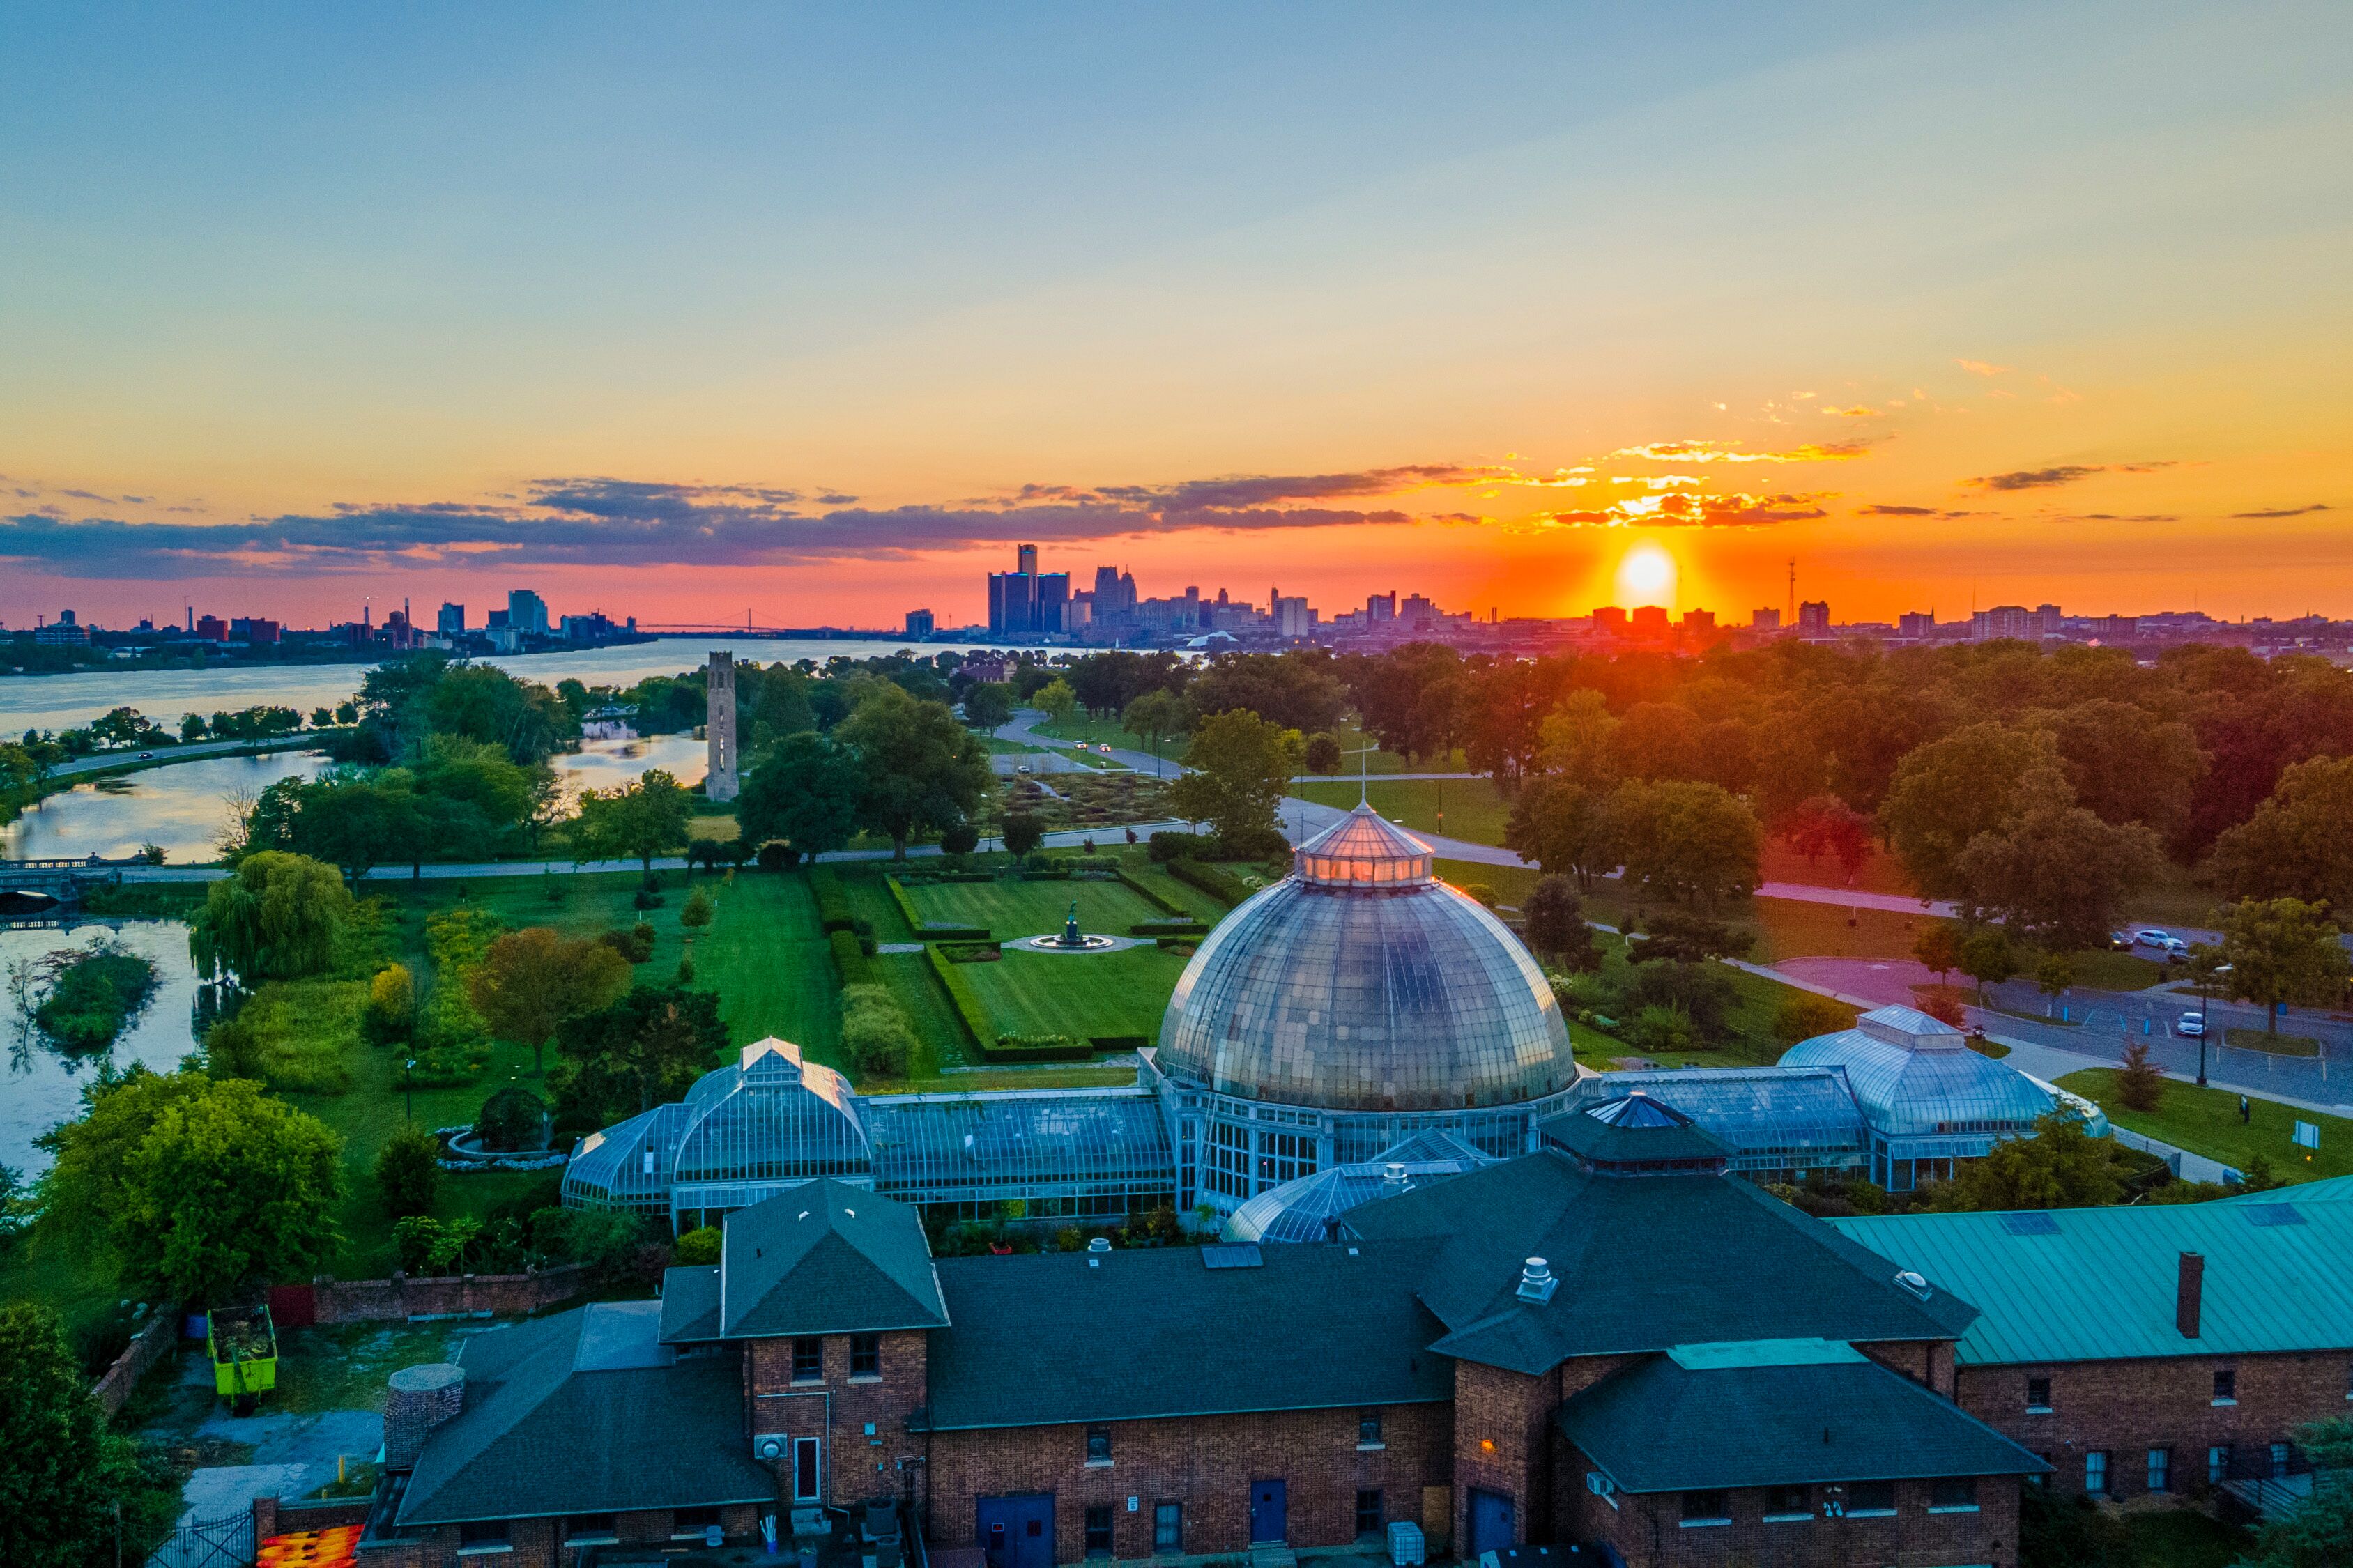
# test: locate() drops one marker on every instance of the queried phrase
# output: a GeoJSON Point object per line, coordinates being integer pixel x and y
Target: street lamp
{"type": "Point", "coordinates": [2206, 979]}
{"type": "Point", "coordinates": [408, 1089]}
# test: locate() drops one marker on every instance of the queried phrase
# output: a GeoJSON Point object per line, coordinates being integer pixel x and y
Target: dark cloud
{"type": "Point", "coordinates": [2283, 510]}
{"type": "Point", "coordinates": [2123, 517]}
{"type": "Point", "coordinates": [624, 522]}
{"type": "Point", "coordinates": [2063, 474]}
{"type": "Point", "coordinates": [1881, 509]}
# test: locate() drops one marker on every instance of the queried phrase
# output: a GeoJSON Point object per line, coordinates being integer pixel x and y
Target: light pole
{"type": "Point", "coordinates": [2206, 1012]}
{"type": "Point", "coordinates": [408, 1089]}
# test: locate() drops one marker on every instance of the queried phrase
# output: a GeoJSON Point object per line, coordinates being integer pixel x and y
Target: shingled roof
{"type": "Point", "coordinates": [1642, 1263]}
{"type": "Point", "coordinates": [1774, 1414]}
{"type": "Point", "coordinates": [824, 1258]}
{"type": "Point", "coordinates": [1126, 1335]}
{"type": "Point", "coordinates": [585, 1412]}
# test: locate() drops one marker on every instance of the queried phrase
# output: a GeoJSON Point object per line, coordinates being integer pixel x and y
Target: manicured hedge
{"type": "Point", "coordinates": [1037, 1048]}
{"type": "Point", "coordinates": [1186, 945]}
{"type": "Point", "coordinates": [1118, 1042]}
{"type": "Point", "coordinates": [849, 958]}
{"type": "Point", "coordinates": [1209, 879]}
{"type": "Point", "coordinates": [960, 997]}
{"type": "Point", "coordinates": [1169, 928]}
{"type": "Point", "coordinates": [832, 904]}
{"type": "Point", "coordinates": [1151, 896]}
{"type": "Point", "coordinates": [972, 952]}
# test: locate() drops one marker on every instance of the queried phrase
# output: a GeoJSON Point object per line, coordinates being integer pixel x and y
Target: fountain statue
{"type": "Point", "coordinates": [1071, 939]}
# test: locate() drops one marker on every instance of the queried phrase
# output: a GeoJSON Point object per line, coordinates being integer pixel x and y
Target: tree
{"type": "Point", "coordinates": [987, 704]}
{"type": "Point", "coordinates": [2139, 1084]}
{"type": "Point", "coordinates": [2057, 876]}
{"type": "Point", "coordinates": [1556, 928]}
{"type": "Point", "coordinates": [1578, 741]}
{"type": "Point", "coordinates": [1802, 1014]}
{"type": "Point", "coordinates": [388, 1016]}
{"type": "Point", "coordinates": [63, 1475]}
{"type": "Point", "coordinates": [2312, 1533]}
{"type": "Point", "coordinates": [1684, 839]}
{"type": "Point", "coordinates": [697, 1248]}
{"type": "Point", "coordinates": [1056, 700]}
{"type": "Point", "coordinates": [1021, 831]}
{"type": "Point", "coordinates": [920, 770]}
{"type": "Point", "coordinates": [1290, 692]}
{"type": "Point", "coordinates": [1938, 948]}
{"type": "Point", "coordinates": [359, 824]}
{"type": "Point", "coordinates": [1825, 825]}
{"type": "Point", "coordinates": [2060, 1167]}
{"type": "Point", "coordinates": [875, 1033]}
{"type": "Point", "coordinates": [2054, 974]}
{"type": "Point", "coordinates": [2281, 950]}
{"type": "Point", "coordinates": [1241, 766]}
{"type": "Point", "coordinates": [803, 790]}
{"type": "Point", "coordinates": [648, 1048]}
{"type": "Point", "coordinates": [1978, 779]}
{"type": "Point", "coordinates": [532, 980]}
{"type": "Point", "coordinates": [1154, 716]}
{"type": "Point", "coordinates": [198, 1186]}
{"type": "Point", "coordinates": [2127, 766]}
{"type": "Point", "coordinates": [408, 1172]}
{"type": "Point", "coordinates": [1987, 958]}
{"type": "Point", "coordinates": [1323, 753]}
{"type": "Point", "coordinates": [2299, 843]}
{"type": "Point", "coordinates": [635, 821]}
{"type": "Point", "coordinates": [698, 910]}
{"type": "Point", "coordinates": [1561, 826]}
{"type": "Point", "coordinates": [276, 917]}
{"type": "Point", "coordinates": [1677, 936]}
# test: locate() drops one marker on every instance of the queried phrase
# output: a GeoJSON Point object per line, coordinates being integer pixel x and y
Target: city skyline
{"type": "Point", "coordinates": [2004, 304]}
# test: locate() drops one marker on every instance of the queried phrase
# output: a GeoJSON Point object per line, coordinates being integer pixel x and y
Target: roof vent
{"type": "Point", "coordinates": [1538, 1281]}
{"type": "Point", "coordinates": [1099, 1243]}
{"type": "Point", "coordinates": [1914, 1284]}
{"type": "Point", "coordinates": [1393, 1178]}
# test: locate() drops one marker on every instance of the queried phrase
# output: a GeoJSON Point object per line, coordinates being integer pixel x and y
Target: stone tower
{"type": "Point", "coordinates": [719, 727]}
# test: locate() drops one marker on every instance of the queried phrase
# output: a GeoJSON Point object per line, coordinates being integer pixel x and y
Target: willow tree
{"type": "Point", "coordinates": [277, 917]}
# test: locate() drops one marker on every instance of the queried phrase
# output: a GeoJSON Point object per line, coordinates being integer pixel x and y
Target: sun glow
{"type": "Point", "coordinates": [1646, 575]}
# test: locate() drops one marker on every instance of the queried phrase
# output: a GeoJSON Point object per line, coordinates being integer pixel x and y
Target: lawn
{"type": "Point", "coordinates": [2206, 1122]}
{"type": "Point", "coordinates": [1470, 809]}
{"type": "Point", "coordinates": [1009, 908]}
{"type": "Point", "coordinates": [2104, 969]}
{"type": "Point", "coordinates": [1087, 995]}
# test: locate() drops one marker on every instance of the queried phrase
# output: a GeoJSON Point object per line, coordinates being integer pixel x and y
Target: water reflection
{"type": "Point", "coordinates": [601, 764]}
{"type": "Point", "coordinates": [182, 807]}
{"type": "Point", "coordinates": [43, 1087]}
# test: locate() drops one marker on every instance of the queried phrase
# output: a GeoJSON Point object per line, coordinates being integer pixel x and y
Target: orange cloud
{"type": "Point", "coordinates": [1729, 452]}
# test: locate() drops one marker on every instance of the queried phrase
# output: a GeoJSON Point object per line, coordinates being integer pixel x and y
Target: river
{"type": "Point", "coordinates": [63, 701]}
{"type": "Point", "coordinates": [41, 1087]}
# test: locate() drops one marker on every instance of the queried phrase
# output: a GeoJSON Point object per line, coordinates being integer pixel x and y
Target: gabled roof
{"type": "Point", "coordinates": [826, 1258]}
{"type": "Point", "coordinates": [1642, 1265]}
{"type": "Point", "coordinates": [689, 1304]}
{"type": "Point", "coordinates": [585, 1412]}
{"type": "Point", "coordinates": [1783, 1414]}
{"type": "Point", "coordinates": [2097, 1284]}
{"type": "Point", "coordinates": [1127, 1335]}
{"type": "Point", "coordinates": [1632, 1131]}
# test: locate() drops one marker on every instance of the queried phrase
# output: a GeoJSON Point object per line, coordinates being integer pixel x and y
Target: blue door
{"type": "Point", "coordinates": [1269, 1512]}
{"type": "Point", "coordinates": [1491, 1522]}
{"type": "Point", "coordinates": [1018, 1532]}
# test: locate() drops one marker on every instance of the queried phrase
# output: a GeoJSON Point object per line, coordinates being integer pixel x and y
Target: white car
{"type": "Point", "coordinates": [2190, 1025]}
{"type": "Point", "coordinates": [2164, 942]}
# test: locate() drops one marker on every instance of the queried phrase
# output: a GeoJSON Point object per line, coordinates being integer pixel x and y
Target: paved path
{"type": "Point", "coordinates": [181, 752]}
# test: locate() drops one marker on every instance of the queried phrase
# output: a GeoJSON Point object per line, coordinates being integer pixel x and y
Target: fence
{"type": "Point", "coordinates": [224, 1542]}
{"type": "Point", "coordinates": [150, 1345]}
{"type": "Point", "coordinates": [332, 1301]}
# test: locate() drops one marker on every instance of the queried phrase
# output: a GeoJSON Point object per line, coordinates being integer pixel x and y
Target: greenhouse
{"type": "Point", "coordinates": [1053, 1151]}
{"type": "Point", "coordinates": [1926, 1098]}
{"type": "Point", "coordinates": [1308, 1208]}
{"type": "Point", "coordinates": [1783, 1122]}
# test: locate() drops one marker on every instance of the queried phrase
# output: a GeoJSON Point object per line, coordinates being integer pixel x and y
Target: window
{"type": "Point", "coordinates": [2218, 1464]}
{"type": "Point", "coordinates": [809, 1359]}
{"type": "Point", "coordinates": [482, 1535]}
{"type": "Point", "coordinates": [2226, 1386]}
{"type": "Point", "coordinates": [2160, 1467]}
{"type": "Point", "coordinates": [1098, 1445]}
{"type": "Point", "coordinates": [866, 1355]}
{"type": "Point", "coordinates": [1955, 1494]}
{"type": "Point", "coordinates": [1228, 1169]}
{"type": "Point", "coordinates": [1869, 1497]}
{"type": "Point", "coordinates": [1099, 1530]}
{"type": "Point", "coordinates": [1167, 1529]}
{"type": "Point", "coordinates": [1784, 1503]}
{"type": "Point", "coordinates": [2038, 1396]}
{"type": "Point", "coordinates": [1368, 1510]}
{"type": "Point", "coordinates": [2279, 1461]}
{"type": "Point", "coordinates": [1281, 1156]}
{"type": "Point", "coordinates": [690, 1523]}
{"type": "Point", "coordinates": [1705, 1507]}
{"type": "Point", "coordinates": [2095, 1473]}
{"type": "Point", "coordinates": [588, 1527]}
{"type": "Point", "coordinates": [1368, 1430]}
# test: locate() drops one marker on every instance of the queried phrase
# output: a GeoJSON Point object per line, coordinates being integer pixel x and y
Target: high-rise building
{"type": "Point", "coordinates": [1293, 618]}
{"type": "Point", "coordinates": [919, 625]}
{"type": "Point", "coordinates": [1114, 595]}
{"type": "Point", "coordinates": [1610, 620]}
{"type": "Point", "coordinates": [1026, 559]}
{"type": "Point", "coordinates": [1648, 621]}
{"type": "Point", "coordinates": [1054, 593]}
{"type": "Point", "coordinates": [719, 726]}
{"type": "Point", "coordinates": [1699, 622]}
{"type": "Point", "coordinates": [211, 628]}
{"type": "Point", "coordinates": [1916, 624]}
{"type": "Point", "coordinates": [1814, 618]}
{"type": "Point", "coordinates": [1765, 620]}
{"type": "Point", "coordinates": [451, 622]}
{"type": "Point", "coordinates": [1380, 607]}
{"type": "Point", "coordinates": [527, 612]}
{"type": "Point", "coordinates": [2005, 621]}
{"type": "Point", "coordinates": [2118, 628]}
{"type": "Point", "coordinates": [1012, 603]}
{"type": "Point", "coordinates": [67, 632]}
{"type": "Point", "coordinates": [1418, 612]}
{"type": "Point", "coordinates": [2053, 622]}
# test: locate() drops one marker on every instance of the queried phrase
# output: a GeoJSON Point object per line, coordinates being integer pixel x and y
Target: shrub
{"type": "Point", "coordinates": [2139, 1085]}
{"type": "Point", "coordinates": [1252, 843]}
{"type": "Point", "coordinates": [1185, 946]}
{"type": "Point", "coordinates": [233, 1048]}
{"type": "Point", "coordinates": [636, 944]}
{"type": "Point", "coordinates": [408, 1172]}
{"type": "Point", "coordinates": [875, 1032]}
{"type": "Point", "coordinates": [1149, 894]}
{"type": "Point", "coordinates": [1662, 1028]}
{"type": "Point", "coordinates": [697, 1249]}
{"type": "Point", "coordinates": [971, 951]}
{"type": "Point", "coordinates": [1022, 832]}
{"type": "Point", "coordinates": [1209, 879]}
{"type": "Point", "coordinates": [698, 910]}
{"type": "Point", "coordinates": [434, 1247]}
{"type": "Point", "coordinates": [1037, 1048]}
{"type": "Point", "coordinates": [1168, 844]}
{"type": "Point", "coordinates": [1481, 891]}
{"type": "Point", "coordinates": [1942, 1002]}
{"type": "Point", "coordinates": [849, 959]}
{"type": "Point", "coordinates": [389, 1016]}
{"type": "Point", "coordinates": [776, 854]}
{"type": "Point", "coordinates": [1803, 1014]}
{"type": "Point", "coordinates": [513, 1118]}
{"type": "Point", "coordinates": [959, 839]}
{"type": "Point", "coordinates": [833, 912]}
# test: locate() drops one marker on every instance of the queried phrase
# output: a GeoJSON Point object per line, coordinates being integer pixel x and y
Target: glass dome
{"type": "Point", "coordinates": [1362, 983]}
{"type": "Point", "coordinates": [1913, 1076]}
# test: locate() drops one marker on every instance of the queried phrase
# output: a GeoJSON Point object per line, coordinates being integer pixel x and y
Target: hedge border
{"type": "Point", "coordinates": [1209, 879]}
{"type": "Point", "coordinates": [1151, 896]}
{"type": "Point", "coordinates": [930, 931]}
{"type": "Point", "coordinates": [1169, 928]}
{"type": "Point", "coordinates": [962, 999]}
{"type": "Point", "coordinates": [833, 912]}
{"type": "Point", "coordinates": [849, 959]}
{"type": "Point", "coordinates": [1077, 1051]}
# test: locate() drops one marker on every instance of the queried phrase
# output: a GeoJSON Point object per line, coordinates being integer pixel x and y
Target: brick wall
{"type": "Point", "coordinates": [1928, 1363]}
{"type": "Point", "coordinates": [534, 1542]}
{"type": "Point", "coordinates": [2124, 1409]}
{"type": "Point", "coordinates": [147, 1347]}
{"type": "Point", "coordinates": [400, 1296]}
{"type": "Point", "coordinates": [1649, 1532]}
{"type": "Point", "coordinates": [1504, 1440]}
{"type": "Point", "coordinates": [859, 1464]}
{"type": "Point", "coordinates": [1206, 1463]}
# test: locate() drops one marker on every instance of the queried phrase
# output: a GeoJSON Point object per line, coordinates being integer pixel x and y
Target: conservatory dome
{"type": "Point", "coordinates": [1362, 983]}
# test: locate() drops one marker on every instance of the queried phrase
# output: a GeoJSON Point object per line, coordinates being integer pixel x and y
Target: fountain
{"type": "Point", "coordinates": [1069, 939]}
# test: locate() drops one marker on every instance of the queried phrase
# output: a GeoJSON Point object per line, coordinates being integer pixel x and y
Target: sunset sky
{"type": "Point", "coordinates": [811, 314]}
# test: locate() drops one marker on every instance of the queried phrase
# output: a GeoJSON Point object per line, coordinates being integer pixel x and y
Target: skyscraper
{"type": "Point", "coordinates": [1024, 559]}
{"type": "Point", "coordinates": [451, 622]}
{"type": "Point", "coordinates": [1814, 618]}
{"type": "Point", "coordinates": [527, 612]}
{"type": "Point", "coordinates": [719, 726]}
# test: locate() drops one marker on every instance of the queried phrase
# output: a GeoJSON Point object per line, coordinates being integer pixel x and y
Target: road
{"type": "Point", "coordinates": [162, 755]}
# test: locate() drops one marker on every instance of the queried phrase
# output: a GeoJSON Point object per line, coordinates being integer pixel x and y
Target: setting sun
{"type": "Point", "coordinates": [1646, 575]}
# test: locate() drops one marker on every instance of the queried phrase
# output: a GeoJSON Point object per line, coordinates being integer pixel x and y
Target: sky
{"type": "Point", "coordinates": [809, 315]}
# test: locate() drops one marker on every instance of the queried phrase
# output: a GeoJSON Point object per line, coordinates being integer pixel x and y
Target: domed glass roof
{"type": "Point", "coordinates": [1361, 983]}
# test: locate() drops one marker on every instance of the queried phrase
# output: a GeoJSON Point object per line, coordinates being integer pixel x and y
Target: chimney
{"type": "Point", "coordinates": [421, 1398]}
{"type": "Point", "coordinates": [2189, 1294]}
{"type": "Point", "coordinates": [1393, 1178]}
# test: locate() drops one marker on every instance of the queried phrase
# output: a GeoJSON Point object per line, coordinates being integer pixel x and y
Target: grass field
{"type": "Point", "coordinates": [2206, 1122]}
{"type": "Point", "coordinates": [1121, 992]}
{"type": "Point", "coordinates": [1472, 809]}
{"type": "Point", "coordinates": [1011, 907]}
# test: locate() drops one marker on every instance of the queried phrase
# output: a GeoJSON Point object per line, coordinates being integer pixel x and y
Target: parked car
{"type": "Point", "coordinates": [2191, 1026]}
{"type": "Point", "coordinates": [2164, 942]}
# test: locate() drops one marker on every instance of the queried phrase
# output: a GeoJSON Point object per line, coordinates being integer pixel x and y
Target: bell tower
{"type": "Point", "coordinates": [719, 727]}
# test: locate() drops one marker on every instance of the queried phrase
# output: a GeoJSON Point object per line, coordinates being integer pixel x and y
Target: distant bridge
{"type": "Point", "coordinates": [30, 888]}
{"type": "Point", "coordinates": [812, 634]}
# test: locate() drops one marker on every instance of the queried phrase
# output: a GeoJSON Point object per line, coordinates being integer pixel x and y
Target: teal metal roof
{"type": "Point", "coordinates": [1662, 1426]}
{"type": "Point", "coordinates": [2099, 1284]}
{"type": "Point", "coordinates": [2329, 1190]}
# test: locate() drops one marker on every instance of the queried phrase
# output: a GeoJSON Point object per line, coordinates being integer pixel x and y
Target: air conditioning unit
{"type": "Point", "coordinates": [771, 1446]}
